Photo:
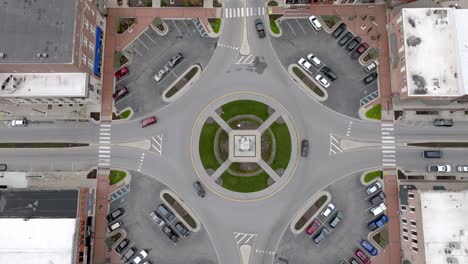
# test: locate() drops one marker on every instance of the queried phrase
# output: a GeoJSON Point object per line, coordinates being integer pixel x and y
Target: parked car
{"type": "Point", "coordinates": [367, 246]}
{"type": "Point", "coordinates": [161, 74]}
{"type": "Point", "coordinates": [121, 73]}
{"type": "Point", "coordinates": [312, 58]}
{"type": "Point", "coordinates": [182, 229]}
{"type": "Point", "coordinates": [360, 50]}
{"type": "Point", "coordinates": [114, 226]}
{"type": "Point", "coordinates": [460, 168]}
{"type": "Point", "coordinates": [121, 93]}
{"type": "Point", "coordinates": [199, 188]}
{"type": "Point", "coordinates": [157, 219]}
{"type": "Point", "coordinates": [378, 223]}
{"type": "Point", "coordinates": [122, 245]}
{"type": "Point", "coordinates": [171, 234]}
{"type": "Point", "coordinates": [140, 257]}
{"type": "Point", "coordinates": [328, 73]}
{"type": "Point", "coordinates": [339, 30]}
{"type": "Point", "coordinates": [129, 254]}
{"type": "Point", "coordinates": [147, 262]}
{"type": "Point", "coordinates": [363, 257]}
{"type": "Point", "coordinates": [117, 213]}
{"type": "Point", "coordinates": [376, 210]}
{"type": "Point", "coordinates": [162, 209]}
{"type": "Point", "coordinates": [19, 122]}
{"type": "Point", "coordinates": [305, 64]}
{"type": "Point", "coordinates": [374, 188]}
{"type": "Point", "coordinates": [442, 122]}
{"type": "Point", "coordinates": [353, 261]}
{"type": "Point", "coordinates": [321, 235]}
{"type": "Point", "coordinates": [439, 168]}
{"type": "Point", "coordinates": [313, 226]}
{"type": "Point", "coordinates": [344, 39]}
{"type": "Point", "coordinates": [353, 43]}
{"type": "Point", "coordinates": [328, 210]}
{"type": "Point", "coordinates": [260, 28]}
{"type": "Point", "coordinates": [377, 199]}
{"type": "Point", "coordinates": [148, 121]}
{"type": "Point", "coordinates": [176, 59]}
{"type": "Point", "coordinates": [370, 78]}
{"type": "Point", "coordinates": [322, 80]}
{"type": "Point", "coordinates": [3, 167]}
{"type": "Point", "coordinates": [372, 66]}
{"type": "Point", "coordinates": [315, 23]}
{"type": "Point", "coordinates": [337, 219]}
{"type": "Point", "coordinates": [305, 148]}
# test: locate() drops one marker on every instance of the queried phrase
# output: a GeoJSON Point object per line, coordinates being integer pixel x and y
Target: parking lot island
{"type": "Point", "coordinates": [181, 210]}
{"type": "Point", "coordinates": [309, 211]}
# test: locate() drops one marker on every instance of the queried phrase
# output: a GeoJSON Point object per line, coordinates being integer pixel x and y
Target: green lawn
{"type": "Point", "coordinates": [245, 184]}
{"type": "Point", "coordinates": [115, 176]}
{"type": "Point", "coordinates": [381, 237]}
{"type": "Point", "coordinates": [283, 146]}
{"type": "Point", "coordinates": [375, 112]}
{"type": "Point", "coordinates": [245, 107]}
{"type": "Point", "coordinates": [372, 175]}
{"type": "Point", "coordinates": [125, 114]}
{"type": "Point", "coordinates": [206, 146]}
{"type": "Point", "coordinates": [215, 24]}
{"type": "Point", "coordinates": [273, 26]}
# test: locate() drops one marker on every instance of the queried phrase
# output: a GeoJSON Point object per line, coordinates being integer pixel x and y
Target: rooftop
{"type": "Point", "coordinates": [39, 241]}
{"type": "Point", "coordinates": [43, 85]}
{"type": "Point", "coordinates": [444, 217]}
{"type": "Point", "coordinates": [436, 51]}
{"type": "Point", "coordinates": [30, 27]}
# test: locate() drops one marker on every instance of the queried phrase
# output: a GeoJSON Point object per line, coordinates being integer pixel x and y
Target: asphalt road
{"type": "Point", "coordinates": [223, 219]}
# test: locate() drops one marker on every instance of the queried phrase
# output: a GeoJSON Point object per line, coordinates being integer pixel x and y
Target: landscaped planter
{"type": "Point", "coordinates": [182, 84]}
{"type": "Point", "coordinates": [330, 21]}
{"type": "Point", "coordinates": [369, 56]}
{"type": "Point", "coordinates": [181, 210]}
{"type": "Point", "coordinates": [160, 26]}
{"type": "Point", "coordinates": [307, 83]}
{"type": "Point", "coordinates": [124, 24]}
{"type": "Point", "coordinates": [274, 28]}
{"type": "Point", "coordinates": [309, 211]}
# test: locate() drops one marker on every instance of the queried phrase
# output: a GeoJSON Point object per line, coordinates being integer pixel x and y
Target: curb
{"type": "Point", "coordinates": [185, 88]}
{"type": "Point", "coordinates": [187, 209]}
{"type": "Point", "coordinates": [161, 33]}
{"type": "Point", "coordinates": [124, 119]}
{"type": "Point", "coordinates": [363, 109]}
{"type": "Point", "coordinates": [306, 207]}
{"type": "Point", "coordinates": [361, 178]}
{"type": "Point", "coordinates": [304, 86]}
{"type": "Point", "coordinates": [277, 24]}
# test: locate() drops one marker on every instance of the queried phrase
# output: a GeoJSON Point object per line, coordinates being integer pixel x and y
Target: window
{"type": "Point", "coordinates": [405, 230]}
{"type": "Point", "coordinates": [415, 249]}
{"type": "Point", "coordinates": [412, 209]}
{"type": "Point", "coordinates": [86, 24]}
{"type": "Point", "coordinates": [85, 41]}
{"type": "Point", "coordinates": [402, 69]}
{"type": "Point", "coordinates": [92, 29]}
{"type": "Point", "coordinates": [404, 220]}
{"type": "Point", "coordinates": [413, 223]}
{"type": "Point", "coordinates": [90, 63]}
{"type": "Point", "coordinates": [414, 233]}
{"type": "Point", "coordinates": [414, 240]}
{"type": "Point", "coordinates": [403, 207]}
{"type": "Point", "coordinates": [83, 57]}
{"type": "Point", "coordinates": [405, 238]}
{"type": "Point", "coordinates": [411, 195]}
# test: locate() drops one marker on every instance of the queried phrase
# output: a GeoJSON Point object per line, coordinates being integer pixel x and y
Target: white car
{"type": "Point", "coordinates": [374, 188]}
{"type": "Point", "coordinates": [324, 82]}
{"type": "Point", "coordinates": [312, 58]}
{"type": "Point", "coordinates": [305, 64]}
{"type": "Point", "coordinates": [462, 168]}
{"type": "Point", "coordinates": [18, 122]}
{"type": "Point", "coordinates": [328, 210]}
{"type": "Point", "coordinates": [141, 256]}
{"type": "Point", "coordinates": [378, 209]}
{"type": "Point", "coordinates": [161, 74]}
{"type": "Point", "coordinates": [439, 168]}
{"type": "Point", "coordinates": [315, 23]}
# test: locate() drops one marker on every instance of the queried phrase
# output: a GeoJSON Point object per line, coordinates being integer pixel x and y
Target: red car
{"type": "Point", "coordinates": [121, 73]}
{"type": "Point", "coordinates": [120, 93]}
{"type": "Point", "coordinates": [148, 121]}
{"type": "Point", "coordinates": [365, 259]}
{"type": "Point", "coordinates": [315, 224]}
{"type": "Point", "coordinates": [360, 50]}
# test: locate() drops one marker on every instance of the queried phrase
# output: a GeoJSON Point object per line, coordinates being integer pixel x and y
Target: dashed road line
{"type": "Point", "coordinates": [266, 252]}
{"type": "Point", "coordinates": [142, 159]}
{"type": "Point", "coordinates": [348, 131]}
{"type": "Point", "coordinates": [228, 46]}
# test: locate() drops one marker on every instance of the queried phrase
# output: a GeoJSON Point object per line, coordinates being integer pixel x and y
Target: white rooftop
{"type": "Point", "coordinates": [43, 84]}
{"type": "Point", "coordinates": [444, 217]}
{"type": "Point", "coordinates": [436, 51]}
{"type": "Point", "coordinates": [37, 241]}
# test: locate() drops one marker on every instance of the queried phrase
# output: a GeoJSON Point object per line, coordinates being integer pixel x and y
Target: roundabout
{"type": "Point", "coordinates": [244, 146]}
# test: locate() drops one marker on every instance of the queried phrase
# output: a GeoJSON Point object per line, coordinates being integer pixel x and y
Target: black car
{"type": "Point", "coordinates": [182, 229]}
{"type": "Point", "coordinates": [115, 214]}
{"type": "Point", "coordinates": [175, 60]}
{"type": "Point", "coordinates": [353, 43]}
{"type": "Point", "coordinates": [328, 73]}
{"type": "Point", "coordinates": [377, 199]}
{"type": "Point", "coordinates": [305, 148]}
{"type": "Point", "coordinates": [260, 28]}
{"type": "Point", "coordinates": [171, 234]}
{"type": "Point", "coordinates": [443, 122]}
{"type": "Point", "coordinates": [343, 40]}
{"type": "Point", "coordinates": [3, 167]}
{"type": "Point", "coordinates": [199, 188]}
{"type": "Point", "coordinates": [122, 245]}
{"type": "Point", "coordinates": [321, 235]}
{"type": "Point", "coordinates": [370, 78]}
{"type": "Point", "coordinates": [339, 30]}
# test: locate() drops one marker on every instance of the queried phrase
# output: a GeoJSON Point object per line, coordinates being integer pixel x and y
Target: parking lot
{"type": "Point", "coordinates": [299, 39]}
{"type": "Point", "coordinates": [142, 199]}
{"type": "Point", "coordinates": [150, 52]}
{"type": "Point", "coordinates": [348, 196]}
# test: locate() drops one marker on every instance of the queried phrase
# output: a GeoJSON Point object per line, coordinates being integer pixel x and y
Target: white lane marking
{"type": "Point", "coordinates": [387, 124]}
{"type": "Point", "coordinates": [388, 137]}
{"type": "Point", "coordinates": [389, 164]}
{"type": "Point", "coordinates": [104, 156]}
{"type": "Point", "coordinates": [104, 151]}
{"type": "Point", "coordinates": [388, 151]}
{"type": "Point", "coordinates": [104, 142]}
{"type": "Point", "coordinates": [388, 141]}
{"type": "Point", "coordinates": [105, 125]}
{"type": "Point", "coordinates": [104, 147]}
{"type": "Point", "coordinates": [388, 147]}
{"type": "Point", "coordinates": [388, 128]}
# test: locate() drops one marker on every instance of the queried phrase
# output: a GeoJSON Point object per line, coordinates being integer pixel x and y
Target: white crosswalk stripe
{"type": "Point", "coordinates": [228, 46]}
{"type": "Point", "coordinates": [388, 145]}
{"type": "Point", "coordinates": [104, 155]}
{"type": "Point", "coordinates": [233, 12]}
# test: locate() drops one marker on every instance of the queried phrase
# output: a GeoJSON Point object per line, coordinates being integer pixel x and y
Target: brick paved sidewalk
{"type": "Point", "coordinates": [392, 252]}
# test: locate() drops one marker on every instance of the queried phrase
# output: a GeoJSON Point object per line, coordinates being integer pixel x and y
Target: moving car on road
{"type": "Point", "coordinates": [117, 213]}
{"type": "Point", "coordinates": [378, 209]}
{"type": "Point", "coordinates": [439, 168]}
{"type": "Point", "coordinates": [121, 73]}
{"type": "Point", "coordinates": [378, 223]}
{"type": "Point", "coordinates": [305, 148]}
{"type": "Point", "coordinates": [19, 122]}
{"type": "Point", "coordinates": [365, 259]}
{"type": "Point", "coordinates": [3, 167]}
{"type": "Point", "coordinates": [148, 121]}
{"type": "Point", "coordinates": [367, 246]}
{"type": "Point", "coordinates": [199, 188]}
{"type": "Point", "coordinates": [260, 28]}
{"type": "Point", "coordinates": [313, 226]}
{"type": "Point", "coordinates": [374, 188]}
{"type": "Point", "coordinates": [315, 23]}
{"type": "Point", "coordinates": [121, 93]}
{"type": "Point", "coordinates": [322, 80]}
{"type": "Point", "coordinates": [328, 210]}
{"type": "Point", "coordinates": [460, 168]}
{"type": "Point", "coordinates": [432, 154]}
{"type": "Point", "coordinates": [442, 122]}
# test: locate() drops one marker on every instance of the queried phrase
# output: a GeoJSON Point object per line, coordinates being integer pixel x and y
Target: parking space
{"type": "Point", "coordinates": [150, 52]}
{"type": "Point", "coordinates": [142, 199]}
{"type": "Point", "coordinates": [299, 39]}
{"type": "Point", "coordinates": [348, 196]}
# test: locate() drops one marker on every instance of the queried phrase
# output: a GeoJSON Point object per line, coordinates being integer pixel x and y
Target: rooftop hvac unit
{"type": "Point", "coordinates": [452, 260]}
{"type": "Point", "coordinates": [455, 245]}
